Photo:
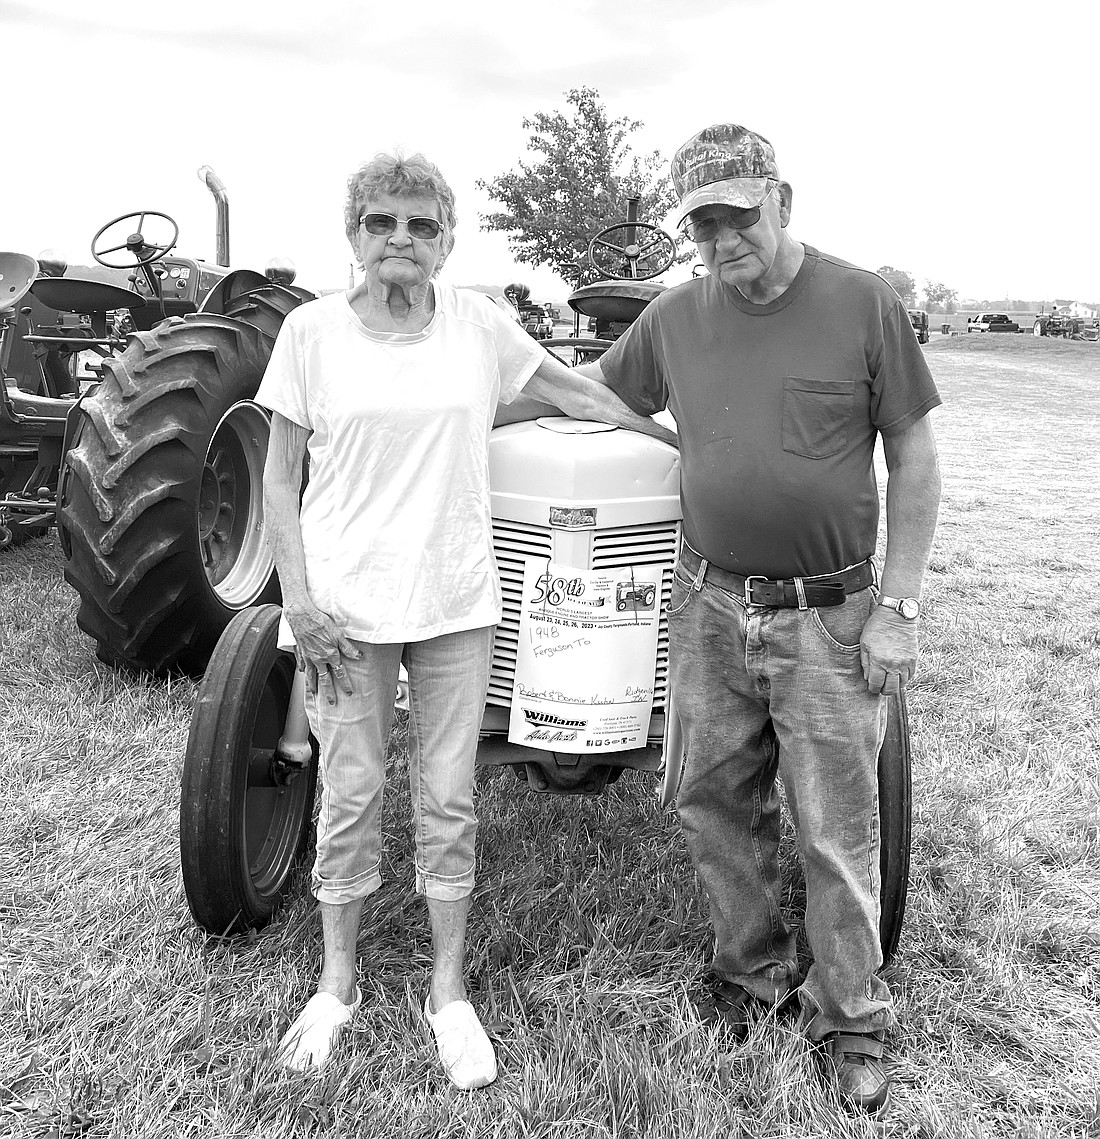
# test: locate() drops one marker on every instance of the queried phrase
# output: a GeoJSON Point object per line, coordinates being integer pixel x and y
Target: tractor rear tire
{"type": "Point", "coordinates": [161, 508]}
{"type": "Point", "coordinates": [244, 817]}
{"type": "Point", "coordinates": [895, 801]}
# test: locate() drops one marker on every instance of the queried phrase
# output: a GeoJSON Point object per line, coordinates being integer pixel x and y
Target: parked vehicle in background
{"type": "Point", "coordinates": [535, 318]}
{"type": "Point", "coordinates": [919, 320]}
{"type": "Point", "coordinates": [537, 322]}
{"type": "Point", "coordinates": [991, 322]}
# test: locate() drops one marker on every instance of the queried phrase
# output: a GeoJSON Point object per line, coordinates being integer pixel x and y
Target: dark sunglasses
{"type": "Point", "coordinates": [426, 229]}
{"type": "Point", "coordinates": [705, 228]}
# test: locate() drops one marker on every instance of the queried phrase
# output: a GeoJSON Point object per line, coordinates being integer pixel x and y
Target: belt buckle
{"type": "Point", "coordinates": [748, 586]}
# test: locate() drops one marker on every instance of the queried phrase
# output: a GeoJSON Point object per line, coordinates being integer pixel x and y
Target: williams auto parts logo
{"type": "Point", "coordinates": [549, 720]}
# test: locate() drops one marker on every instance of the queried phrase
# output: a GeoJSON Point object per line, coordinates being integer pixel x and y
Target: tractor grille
{"type": "Point", "coordinates": [651, 544]}
{"type": "Point", "coordinates": [512, 543]}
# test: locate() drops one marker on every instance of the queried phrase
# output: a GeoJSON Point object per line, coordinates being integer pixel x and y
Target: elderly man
{"type": "Point", "coordinates": [781, 367]}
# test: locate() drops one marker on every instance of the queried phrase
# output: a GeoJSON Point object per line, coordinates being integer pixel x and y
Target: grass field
{"type": "Point", "coordinates": [119, 1018]}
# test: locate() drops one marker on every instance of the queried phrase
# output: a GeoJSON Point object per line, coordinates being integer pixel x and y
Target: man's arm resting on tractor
{"type": "Point", "coordinates": [525, 407]}
{"type": "Point", "coordinates": [889, 641]}
{"type": "Point", "coordinates": [320, 641]}
{"type": "Point", "coordinates": [581, 396]}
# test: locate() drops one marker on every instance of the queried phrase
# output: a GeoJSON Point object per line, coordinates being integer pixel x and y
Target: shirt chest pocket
{"type": "Point", "coordinates": [816, 415]}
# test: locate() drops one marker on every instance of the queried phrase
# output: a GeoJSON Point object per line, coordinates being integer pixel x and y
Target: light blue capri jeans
{"type": "Point", "coordinates": [448, 677]}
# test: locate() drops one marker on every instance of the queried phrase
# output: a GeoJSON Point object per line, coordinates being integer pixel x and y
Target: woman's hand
{"type": "Point", "coordinates": [320, 646]}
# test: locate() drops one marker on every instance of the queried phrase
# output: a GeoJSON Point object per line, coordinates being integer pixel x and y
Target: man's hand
{"type": "Point", "coordinates": [320, 646]}
{"type": "Point", "coordinates": [888, 651]}
{"type": "Point", "coordinates": [583, 397]}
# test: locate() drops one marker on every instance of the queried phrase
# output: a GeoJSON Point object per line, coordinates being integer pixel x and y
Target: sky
{"type": "Point", "coordinates": [959, 141]}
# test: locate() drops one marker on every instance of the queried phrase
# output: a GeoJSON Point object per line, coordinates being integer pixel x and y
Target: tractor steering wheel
{"type": "Point", "coordinates": [642, 255]}
{"type": "Point", "coordinates": [143, 252]}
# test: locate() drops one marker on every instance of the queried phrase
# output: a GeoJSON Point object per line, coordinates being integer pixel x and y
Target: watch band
{"type": "Point", "coordinates": [907, 607]}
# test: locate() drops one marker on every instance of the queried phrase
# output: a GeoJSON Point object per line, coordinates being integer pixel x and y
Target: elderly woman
{"type": "Point", "coordinates": [392, 388]}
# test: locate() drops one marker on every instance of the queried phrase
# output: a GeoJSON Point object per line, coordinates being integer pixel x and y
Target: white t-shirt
{"type": "Point", "coordinates": [396, 518]}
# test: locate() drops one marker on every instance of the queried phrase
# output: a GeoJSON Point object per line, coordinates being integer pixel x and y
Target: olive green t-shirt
{"type": "Point", "coordinates": [778, 407]}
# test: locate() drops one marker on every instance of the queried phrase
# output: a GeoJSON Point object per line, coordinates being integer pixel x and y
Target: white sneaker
{"type": "Point", "coordinates": [308, 1042]}
{"type": "Point", "coordinates": [465, 1052]}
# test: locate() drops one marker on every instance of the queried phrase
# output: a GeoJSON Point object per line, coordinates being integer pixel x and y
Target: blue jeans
{"type": "Point", "coordinates": [761, 692]}
{"type": "Point", "coordinates": [448, 676]}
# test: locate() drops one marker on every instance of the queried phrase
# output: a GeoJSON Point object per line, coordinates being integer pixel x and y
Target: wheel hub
{"type": "Point", "coordinates": [229, 511]}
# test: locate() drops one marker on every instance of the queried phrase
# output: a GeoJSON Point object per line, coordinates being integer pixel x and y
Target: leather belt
{"type": "Point", "coordinates": [815, 592]}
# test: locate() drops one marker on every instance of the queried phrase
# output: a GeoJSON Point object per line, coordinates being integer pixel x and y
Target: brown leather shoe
{"type": "Point", "coordinates": [855, 1062]}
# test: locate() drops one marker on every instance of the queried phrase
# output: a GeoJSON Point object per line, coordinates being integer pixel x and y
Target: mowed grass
{"type": "Point", "coordinates": [118, 1017]}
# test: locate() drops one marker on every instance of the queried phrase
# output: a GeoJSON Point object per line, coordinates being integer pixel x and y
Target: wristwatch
{"type": "Point", "coordinates": [908, 607]}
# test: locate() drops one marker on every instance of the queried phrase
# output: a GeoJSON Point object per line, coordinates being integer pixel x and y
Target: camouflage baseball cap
{"type": "Point", "coordinates": [724, 164]}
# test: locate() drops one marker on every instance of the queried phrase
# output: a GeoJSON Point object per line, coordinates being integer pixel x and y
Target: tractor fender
{"type": "Point", "coordinates": [230, 288]}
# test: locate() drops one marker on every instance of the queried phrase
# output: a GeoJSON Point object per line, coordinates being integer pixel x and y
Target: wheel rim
{"type": "Point", "coordinates": [272, 807]}
{"type": "Point", "coordinates": [234, 554]}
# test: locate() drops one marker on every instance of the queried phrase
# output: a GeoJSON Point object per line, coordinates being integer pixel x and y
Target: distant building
{"type": "Point", "coordinates": [1077, 308]}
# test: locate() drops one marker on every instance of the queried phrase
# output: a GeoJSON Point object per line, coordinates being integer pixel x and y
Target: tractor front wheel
{"type": "Point", "coordinates": [245, 810]}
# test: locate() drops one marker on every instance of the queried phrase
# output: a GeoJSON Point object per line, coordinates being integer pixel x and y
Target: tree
{"type": "Point", "coordinates": [901, 282]}
{"type": "Point", "coordinates": [939, 298]}
{"type": "Point", "coordinates": [580, 184]}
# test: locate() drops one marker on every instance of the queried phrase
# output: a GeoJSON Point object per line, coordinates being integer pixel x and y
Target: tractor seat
{"type": "Point", "coordinates": [69, 294]}
{"type": "Point", "coordinates": [614, 300]}
{"type": "Point", "coordinates": [17, 271]}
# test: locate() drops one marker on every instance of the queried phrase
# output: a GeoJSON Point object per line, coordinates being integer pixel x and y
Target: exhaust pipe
{"type": "Point", "coordinates": [217, 187]}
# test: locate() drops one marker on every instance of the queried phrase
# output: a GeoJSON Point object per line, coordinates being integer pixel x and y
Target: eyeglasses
{"type": "Point", "coordinates": [426, 229]}
{"type": "Point", "coordinates": [706, 228]}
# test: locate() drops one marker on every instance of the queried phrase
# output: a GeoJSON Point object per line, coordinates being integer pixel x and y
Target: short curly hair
{"type": "Point", "coordinates": [396, 176]}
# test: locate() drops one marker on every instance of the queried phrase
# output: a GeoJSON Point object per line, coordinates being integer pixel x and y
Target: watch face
{"type": "Point", "coordinates": [909, 608]}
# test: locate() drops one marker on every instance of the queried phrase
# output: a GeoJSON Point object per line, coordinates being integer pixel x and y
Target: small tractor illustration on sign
{"type": "Point", "coordinates": [631, 596]}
